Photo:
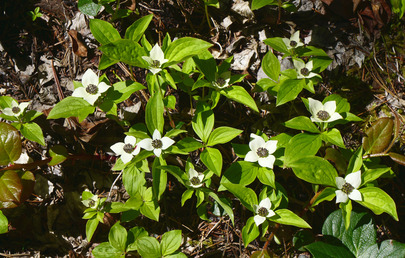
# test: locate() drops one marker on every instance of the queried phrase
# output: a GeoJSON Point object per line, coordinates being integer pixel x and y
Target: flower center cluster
{"type": "Point", "coordinates": [220, 82]}
{"type": "Point", "coordinates": [92, 203]}
{"type": "Point", "coordinates": [262, 212]}
{"type": "Point", "coordinates": [347, 188]}
{"type": "Point", "coordinates": [323, 115]}
{"type": "Point", "coordinates": [128, 148]}
{"type": "Point", "coordinates": [92, 89]}
{"type": "Point", "coordinates": [157, 144]}
{"type": "Point", "coordinates": [293, 43]}
{"type": "Point", "coordinates": [304, 71]}
{"type": "Point", "coordinates": [262, 152]}
{"type": "Point", "coordinates": [16, 110]}
{"type": "Point", "coordinates": [195, 181]}
{"type": "Point", "coordinates": [155, 64]}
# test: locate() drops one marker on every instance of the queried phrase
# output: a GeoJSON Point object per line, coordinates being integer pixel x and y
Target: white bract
{"type": "Point", "coordinates": [92, 202]}
{"type": "Point", "coordinates": [156, 144]}
{"type": "Point", "coordinates": [304, 69]}
{"type": "Point", "coordinates": [16, 109]}
{"type": "Point", "coordinates": [222, 81]}
{"type": "Point", "coordinates": [348, 187]}
{"type": "Point", "coordinates": [195, 179]}
{"type": "Point", "coordinates": [127, 149]}
{"type": "Point", "coordinates": [294, 41]}
{"type": "Point", "coordinates": [323, 113]}
{"type": "Point", "coordinates": [91, 89]}
{"type": "Point", "coordinates": [261, 151]}
{"type": "Point", "coordinates": [155, 59]}
{"type": "Point", "coordinates": [263, 211]}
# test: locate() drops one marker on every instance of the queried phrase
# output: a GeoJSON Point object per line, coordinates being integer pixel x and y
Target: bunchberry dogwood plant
{"type": "Point", "coordinates": [304, 70]}
{"type": "Point", "coordinates": [155, 59]}
{"type": "Point", "coordinates": [261, 151]}
{"type": "Point", "coordinates": [294, 41]}
{"type": "Point", "coordinates": [127, 149]}
{"type": "Point", "coordinates": [323, 113]}
{"type": "Point", "coordinates": [92, 88]}
{"type": "Point", "coordinates": [195, 179]}
{"type": "Point", "coordinates": [156, 144]}
{"type": "Point", "coordinates": [347, 187]}
{"type": "Point", "coordinates": [263, 211]}
{"type": "Point", "coordinates": [16, 110]}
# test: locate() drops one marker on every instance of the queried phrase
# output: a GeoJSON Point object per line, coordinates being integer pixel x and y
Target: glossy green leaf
{"type": "Point", "coordinates": [186, 196]}
{"type": "Point", "coordinates": [257, 4]}
{"type": "Point", "coordinates": [356, 161]}
{"type": "Point", "coordinates": [170, 242]}
{"type": "Point", "coordinates": [71, 107]}
{"type": "Point", "coordinates": [136, 30]}
{"type": "Point", "coordinates": [315, 170]}
{"type": "Point", "coordinates": [224, 204]}
{"type": "Point", "coordinates": [250, 231]}
{"type": "Point", "coordinates": [3, 223]}
{"type": "Point", "coordinates": [58, 153]}
{"type": "Point", "coordinates": [206, 64]}
{"type": "Point", "coordinates": [301, 145]}
{"type": "Point", "coordinates": [287, 217]}
{"type": "Point", "coordinates": [333, 136]}
{"type": "Point", "coordinates": [378, 201]}
{"type": "Point", "coordinates": [189, 144]}
{"type": "Point", "coordinates": [33, 132]}
{"type": "Point", "coordinates": [212, 158]}
{"type": "Point", "coordinates": [148, 247]}
{"type": "Point", "coordinates": [222, 135]}
{"type": "Point", "coordinates": [10, 186]}
{"type": "Point", "coordinates": [302, 123]}
{"type": "Point", "coordinates": [151, 210]}
{"type": "Point", "coordinates": [10, 144]}
{"type": "Point", "coordinates": [118, 237]}
{"type": "Point", "coordinates": [241, 173]}
{"type": "Point", "coordinates": [277, 44]}
{"type": "Point", "coordinates": [332, 249]}
{"type": "Point", "coordinates": [133, 234]}
{"type": "Point", "coordinates": [154, 113]}
{"type": "Point", "coordinates": [372, 174]}
{"type": "Point", "coordinates": [183, 48]}
{"type": "Point", "coordinates": [327, 194]}
{"type": "Point", "coordinates": [202, 124]}
{"type": "Point", "coordinates": [246, 195]}
{"type": "Point", "coordinates": [271, 64]}
{"type": "Point", "coordinates": [240, 95]}
{"type": "Point", "coordinates": [103, 31]}
{"type": "Point", "coordinates": [266, 176]}
{"type": "Point", "coordinates": [126, 51]}
{"type": "Point", "coordinates": [388, 249]}
{"type": "Point", "coordinates": [289, 90]}
{"type": "Point", "coordinates": [379, 136]}
{"type": "Point", "coordinates": [123, 90]}
{"type": "Point", "coordinates": [106, 250]}
{"type": "Point", "coordinates": [91, 227]}
{"type": "Point", "coordinates": [159, 178]}
{"type": "Point", "coordinates": [88, 7]}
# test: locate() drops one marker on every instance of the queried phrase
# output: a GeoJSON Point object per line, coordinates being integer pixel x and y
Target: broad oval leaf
{"type": "Point", "coordinates": [239, 94]}
{"type": "Point", "coordinates": [302, 123]}
{"type": "Point", "coordinates": [289, 90]}
{"type": "Point", "coordinates": [212, 158]}
{"type": "Point", "coordinates": [378, 201]}
{"type": "Point", "coordinates": [106, 250]}
{"type": "Point", "coordinates": [3, 223]}
{"type": "Point", "coordinates": [271, 65]}
{"type": "Point", "coordinates": [118, 237]}
{"type": "Point", "coordinates": [10, 144]}
{"type": "Point", "coordinates": [170, 242]}
{"type": "Point", "coordinates": [103, 31]}
{"type": "Point", "coordinates": [379, 136]}
{"type": "Point", "coordinates": [71, 107]}
{"type": "Point", "coordinates": [246, 195]}
{"type": "Point", "coordinates": [89, 7]}
{"type": "Point", "coordinates": [287, 217]}
{"type": "Point", "coordinates": [126, 51]}
{"type": "Point", "coordinates": [154, 113]}
{"type": "Point", "coordinates": [33, 132]}
{"type": "Point", "coordinates": [10, 186]}
{"type": "Point", "coordinates": [250, 231]}
{"type": "Point", "coordinates": [58, 153]}
{"type": "Point", "coordinates": [148, 247]}
{"type": "Point", "coordinates": [315, 170]}
{"type": "Point", "coordinates": [184, 48]}
{"type": "Point", "coordinates": [241, 173]}
{"type": "Point", "coordinates": [222, 135]}
{"type": "Point", "coordinates": [302, 145]}
{"type": "Point", "coordinates": [136, 30]}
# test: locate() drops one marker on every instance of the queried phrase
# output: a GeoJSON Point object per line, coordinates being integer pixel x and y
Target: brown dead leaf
{"type": "Point", "coordinates": [79, 48]}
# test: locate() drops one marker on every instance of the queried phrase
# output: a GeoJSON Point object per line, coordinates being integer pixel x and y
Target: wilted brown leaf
{"type": "Point", "coordinates": [79, 48]}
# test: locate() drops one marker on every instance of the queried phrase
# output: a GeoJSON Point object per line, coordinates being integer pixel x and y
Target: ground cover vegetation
{"type": "Point", "coordinates": [202, 128]}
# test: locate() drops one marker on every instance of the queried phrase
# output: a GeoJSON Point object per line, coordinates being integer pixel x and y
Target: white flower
{"type": "Point", "coordinates": [303, 69]}
{"type": "Point", "coordinates": [348, 187]}
{"type": "Point", "coordinates": [156, 144]}
{"type": "Point", "coordinates": [261, 151]}
{"type": "Point", "coordinates": [263, 211]}
{"type": "Point", "coordinates": [294, 41]}
{"type": "Point", "coordinates": [16, 109]}
{"type": "Point", "coordinates": [222, 81]}
{"type": "Point", "coordinates": [195, 179]}
{"type": "Point", "coordinates": [91, 89]}
{"type": "Point", "coordinates": [155, 59]}
{"type": "Point", "coordinates": [92, 202]}
{"type": "Point", "coordinates": [323, 113]}
{"type": "Point", "coordinates": [126, 149]}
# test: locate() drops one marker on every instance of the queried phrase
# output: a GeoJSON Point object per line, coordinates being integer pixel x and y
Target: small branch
{"type": "Point", "coordinates": [271, 236]}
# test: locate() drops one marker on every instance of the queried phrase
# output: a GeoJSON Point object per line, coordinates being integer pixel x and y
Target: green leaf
{"type": "Point", "coordinates": [103, 31]}
{"type": "Point", "coordinates": [91, 227]}
{"type": "Point", "coordinates": [183, 48]}
{"type": "Point", "coordinates": [257, 4]}
{"type": "Point", "coordinates": [3, 223]}
{"type": "Point", "coordinates": [378, 201]}
{"type": "Point", "coordinates": [287, 217]}
{"type": "Point", "coordinates": [250, 232]}
{"type": "Point", "coordinates": [206, 64]}
{"type": "Point", "coordinates": [241, 173]}
{"type": "Point", "coordinates": [6, 102]}
{"type": "Point", "coordinates": [356, 161]}
{"type": "Point", "coordinates": [106, 250]}
{"type": "Point", "coordinates": [289, 90]}
{"type": "Point", "coordinates": [159, 178]}
{"type": "Point", "coordinates": [302, 123]}
{"type": "Point", "coordinates": [151, 210]}
{"type": "Point", "coordinates": [58, 153]}
{"type": "Point", "coordinates": [10, 144]}
{"type": "Point", "coordinates": [372, 174]}
{"type": "Point", "coordinates": [105, 62]}
{"type": "Point", "coordinates": [333, 136]}
{"type": "Point", "coordinates": [154, 113]}
{"type": "Point", "coordinates": [315, 170]}
{"type": "Point", "coordinates": [379, 136]}
{"type": "Point", "coordinates": [222, 135]}
{"type": "Point", "coordinates": [189, 144]}
{"type": "Point", "coordinates": [239, 94]}
{"type": "Point", "coordinates": [10, 186]}
{"type": "Point", "coordinates": [202, 124]}
{"type": "Point", "coordinates": [212, 158]}
{"type": "Point", "coordinates": [118, 237]}
{"type": "Point", "coordinates": [33, 132]}
{"type": "Point", "coordinates": [176, 172]}
{"type": "Point", "coordinates": [301, 145]}
{"type": "Point", "coordinates": [71, 107]}
{"type": "Point", "coordinates": [266, 176]}
{"type": "Point", "coordinates": [246, 195]}
{"type": "Point", "coordinates": [126, 51]}
{"type": "Point", "coordinates": [389, 249]}
{"type": "Point", "coordinates": [332, 249]}
{"type": "Point", "coordinates": [277, 44]}
{"type": "Point", "coordinates": [271, 65]}
{"type": "Point", "coordinates": [346, 209]}
{"type": "Point", "coordinates": [148, 247]}
{"type": "Point", "coordinates": [327, 194]}
{"type": "Point", "coordinates": [136, 30]}
{"type": "Point", "coordinates": [224, 204]}
{"type": "Point", "coordinates": [88, 7]}
{"type": "Point", "coordinates": [123, 90]}
{"type": "Point", "coordinates": [133, 234]}
{"type": "Point", "coordinates": [186, 195]}
{"type": "Point", "coordinates": [170, 242]}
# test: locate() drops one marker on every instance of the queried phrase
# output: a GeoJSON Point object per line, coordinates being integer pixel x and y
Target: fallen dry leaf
{"type": "Point", "coordinates": [79, 48]}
